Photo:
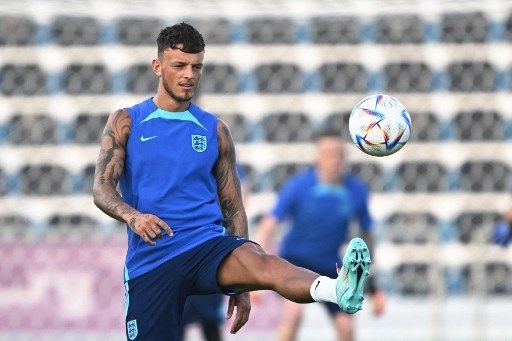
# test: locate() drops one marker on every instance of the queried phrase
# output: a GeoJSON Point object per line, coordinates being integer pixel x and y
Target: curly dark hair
{"type": "Point", "coordinates": [180, 34]}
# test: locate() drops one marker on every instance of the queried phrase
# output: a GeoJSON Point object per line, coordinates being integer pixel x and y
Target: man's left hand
{"type": "Point", "coordinates": [243, 308]}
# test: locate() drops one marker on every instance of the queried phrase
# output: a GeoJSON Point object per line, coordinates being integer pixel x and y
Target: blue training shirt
{"type": "Point", "coordinates": [319, 216]}
{"type": "Point", "coordinates": [168, 172]}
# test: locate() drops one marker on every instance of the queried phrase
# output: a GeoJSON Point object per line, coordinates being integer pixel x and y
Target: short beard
{"type": "Point", "coordinates": [180, 99]}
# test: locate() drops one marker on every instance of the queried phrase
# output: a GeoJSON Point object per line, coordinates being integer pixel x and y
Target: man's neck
{"type": "Point", "coordinates": [167, 103]}
{"type": "Point", "coordinates": [329, 177]}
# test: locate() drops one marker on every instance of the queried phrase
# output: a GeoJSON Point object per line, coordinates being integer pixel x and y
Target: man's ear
{"type": "Point", "coordinates": [157, 67]}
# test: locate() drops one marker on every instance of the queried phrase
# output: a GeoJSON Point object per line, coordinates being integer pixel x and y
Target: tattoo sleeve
{"type": "Point", "coordinates": [109, 168]}
{"type": "Point", "coordinates": [228, 184]}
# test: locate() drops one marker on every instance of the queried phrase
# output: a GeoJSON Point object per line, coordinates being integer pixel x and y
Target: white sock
{"type": "Point", "coordinates": [323, 289]}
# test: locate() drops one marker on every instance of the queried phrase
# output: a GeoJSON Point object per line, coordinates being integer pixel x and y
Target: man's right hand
{"type": "Point", "coordinates": [148, 227]}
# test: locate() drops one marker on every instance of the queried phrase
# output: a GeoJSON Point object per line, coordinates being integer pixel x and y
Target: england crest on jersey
{"type": "Point", "coordinates": [132, 329]}
{"type": "Point", "coordinates": [199, 143]}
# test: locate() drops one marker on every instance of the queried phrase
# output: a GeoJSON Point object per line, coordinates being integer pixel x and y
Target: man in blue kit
{"type": "Point", "coordinates": [319, 204]}
{"type": "Point", "coordinates": [187, 228]}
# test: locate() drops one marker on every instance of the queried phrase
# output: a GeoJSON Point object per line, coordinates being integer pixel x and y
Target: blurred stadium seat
{"type": "Point", "coordinates": [475, 227]}
{"type": "Point", "coordinates": [138, 30]}
{"type": "Point", "coordinates": [81, 79]}
{"type": "Point", "coordinates": [479, 125]}
{"type": "Point", "coordinates": [16, 30]}
{"type": "Point", "coordinates": [22, 79]}
{"type": "Point", "coordinates": [342, 77]}
{"type": "Point", "coordinates": [421, 177]}
{"type": "Point", "coordinates": [335, 30]}
{"type": "Point", "coordinates": [287, 127]}
{"type": "Point", "coordinates": [44, 180]}
{"type": "Point", "coordinates": [270, 31]}
{"type": "Point", "coordinates": [412, 228]}
{"type": "Point", "coordinates": [399, 29]}
{"type": "Point", "coordinates": [33, 129]}
{"type": "Point", "coordinates": [275, 77]}
{"type": "Point", "coordinates": [140, 79]}
{"type": "Point", "coordinates": [464, 27]}
{"type": "Point", "coordinates": [76, 31]}
{"type": "Point", "coordinates": [484, 176]}
{"type": "Point", "coordinates": [407, 77]}
{"type": "Point", "coordinates": [281, 78]}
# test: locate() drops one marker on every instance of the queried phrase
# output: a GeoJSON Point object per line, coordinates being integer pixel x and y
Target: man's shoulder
{"type": "Point", "coordinates": [302, 178]}
{"type": "Point", "coordinates": [356, 182]}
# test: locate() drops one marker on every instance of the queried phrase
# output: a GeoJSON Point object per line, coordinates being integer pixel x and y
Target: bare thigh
{"type": "Point", "coordinates": [250, 268]}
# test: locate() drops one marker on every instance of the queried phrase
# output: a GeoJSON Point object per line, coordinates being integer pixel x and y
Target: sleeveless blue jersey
{"type": "Point", "coordinates": [168, 172]}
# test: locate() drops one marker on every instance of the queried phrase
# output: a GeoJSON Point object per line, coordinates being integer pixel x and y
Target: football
{"type": "Point", "coordinates": [379, 125]}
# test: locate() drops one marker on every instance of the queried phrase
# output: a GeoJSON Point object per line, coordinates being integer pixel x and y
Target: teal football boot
{"type": "Point", "coordinates": [352, 275]}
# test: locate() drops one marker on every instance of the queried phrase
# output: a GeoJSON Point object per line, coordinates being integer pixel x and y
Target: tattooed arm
{"type": "Point", "coordinates": [109, 168]}
{"type": "Point", "coordinates": [228, 184]}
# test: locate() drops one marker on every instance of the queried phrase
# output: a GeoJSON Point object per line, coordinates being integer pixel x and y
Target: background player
{"type": "Point", "coordinates": [176, 167]}
{"type": "Point", "coordinates": [320, 202]}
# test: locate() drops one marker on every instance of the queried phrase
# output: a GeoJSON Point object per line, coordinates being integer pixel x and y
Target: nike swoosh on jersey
{"type": "Point", "coordinates": [144, 139]}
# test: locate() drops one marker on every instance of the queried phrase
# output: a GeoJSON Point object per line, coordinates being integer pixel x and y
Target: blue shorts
{"type": "Point", "coordinates": [155, 300]}
{"type": "Point", "coordinates": [206, 309]}
{"type": "Point", "coordinates": [332, 308]}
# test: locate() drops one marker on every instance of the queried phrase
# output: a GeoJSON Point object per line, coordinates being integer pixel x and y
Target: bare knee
{"type": "Point", "coordinates": [267, 269]}
{"type": "Point", "coordinates": [249, 267]}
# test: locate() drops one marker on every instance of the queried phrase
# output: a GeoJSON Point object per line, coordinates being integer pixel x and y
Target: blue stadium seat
{"type": "Point", "coordinates": [87, 178]}
{"type": "Point", "coordinates": [471, 76]}
{"type": "Point", "coordinates": [497, 277]}
{"type": "Point", "coordinates": [280, 173]}
{"type": "Point", "coordinates": [237, 125]}
{"type": "Point", "coordinates": [335, 30]}
{"type": "Point", "coordinates": [287, 127]}
{"type": "Point", "coordinates": [464, 27]}
{"type": "Point", "coordinates": [412, 279]}
{"type": "Point", "coordinates": [475, 226]}
{"type": "Point", "coordinates": [479, 125]}
{"type": "Point", "coordinates": [342, 77]}
{"type": "Point", "coordinates": [398, 29]}
{"type": "Point", "coordinates": [219, 78]}
{"type": "Point", "coordinates": [138, 30]}
{"type": "Point", "coordinates": [484, 176]}
{"type": "Point", "coordinates": [3, 183]}
{"type": "Point", "coordinates": [371, 173]}
{"type": "Point", "coordinates": [270, 30]}
{"type": "Point", "coordinates": [427, 127]}
{"type": "Point", "coordinates": [22, 80]}
{"type": "Point", "coordinates": [70, 30]}
{"type": "Point", "coordinates": [44, 179]}
{"type": "Point", "coordinates": [87, 128]}
{"type": "Point", "coordinates": [140, 79]}
{"type": "Point", "coordinates": [421, 176]}
{"type": "Point", "coordinates": [338, 121]}
{"type": "Point", "coordinates": [32, 129]}
{"type": "Point", "coordinates": [71, 222]}
{"type": "Point", "coordinates": [86, 79]}
{"type": "Point", "coordinates": [215, 31]}
{"type": "Point", "coordinates": [17, 30]}
{"type": "Point", "coordinates": [278, 78]}
{"type": "Point", "coordinates": [407, 77]}
{"type": "Point", "coordinates": [411, 228]}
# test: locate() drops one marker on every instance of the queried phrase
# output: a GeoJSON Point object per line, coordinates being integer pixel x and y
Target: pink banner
{"type": "Point", "coordinates": [77, 285]}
